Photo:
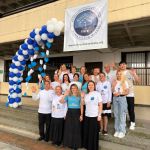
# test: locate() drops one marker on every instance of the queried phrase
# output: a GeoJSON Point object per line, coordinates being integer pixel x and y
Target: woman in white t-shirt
{"type": "Point", "coordinates": [65, 83]}
{"type": "Point", "coordinates": [93, 103]}
{"type": "Point", "coordinates": [58, 114]}
{"type": "Point", "coordinates": [120, 89]}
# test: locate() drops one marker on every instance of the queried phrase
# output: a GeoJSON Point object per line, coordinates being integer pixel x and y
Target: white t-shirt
{"type": "Point", "coordinates": [58, 109]}
{"type": "Point", "coordinates": [62, 73]}
{"type": "Point", "coordinates": [79, 85]}
{"type": "Point", "coordinates": [111, 76]}
{"type": "Point", "coordinates": [129, 78]}
{"type": "Point", "coordinates": [45, 101]}
{"type": "Point", "coordinates": [92, 99]}
{"type": "Point", "coordinates": [95, 78]}
{"type": "Point", "coordinates": [104, 88]}
{"type": "Point", "coordinates": [71, 76]}
{"type": "Point", "coordinates": [54, 84]}
{"type": "Point", "coordinates": [65, 87]}
{"type": "Point", "coordinates": [119, 87]}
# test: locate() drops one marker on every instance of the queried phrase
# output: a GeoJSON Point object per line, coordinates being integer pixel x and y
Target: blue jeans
{"type": "Point", "coordinates": [120, 112]}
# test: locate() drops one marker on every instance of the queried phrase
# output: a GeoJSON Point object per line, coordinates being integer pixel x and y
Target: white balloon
{"type": "Point", "coordinates": [26, 41]}
{"type": "Point", "coordinates": [19, 86]}
{"type": "Point", "coordinates": [20, 58]}
{"type": "Point", "coordinates": [17, 63]}
{"type": "Point", "coordinates": [31, 71]}
{"type": "Point", "coordinates": [14, 95]}
{"type": "Point", "coordinates": [44, 67]}
{"type": "Point", "coordinates": [43, 46]}
{"type": "Point", "coordinates": [30, 46]}
{"type": "Point", "coordinates": [38, 38]}
{"type": "Point", "coordinates": [57, 28]}
{"type": "Point", "coordinates": [61, 24]}
{"type": "Point", "coordinates": [54, 20]}
{"type": "Point", "coordinates": [15, 79]}
{"type": "Point", "coordinates": [49, 22]}
{"type": "Point", "coordinates": [40, 43]}
{"type": "Point", "coordinates": [10, 69]}
{"type": "Point", "coordinates": [15, 105]}
{"type": "Point", "coordinates": [41, 62]}
{"type": "Point", "coordinates": [44, 36]}
{"type": "Point", "coordinates": [25, 52]}
{"type": "Point", "coordinates": [37, 30]}
{"type": "Point", "coordinates": [19, 95]}
{"type": "Point", "coordinates": [50, 40]}
{"type": "Point", "coordinates": [20, 103]}
{"type": "Point", "coordinates": [20, 47]}
{"type": "Point", "coordinates": [10, 78]}
{"type": "Point", "coordinates": [11, 86]}
{"type": "Point", "coordinates": [50, 28]}
{"type": "Point", "coordinates": [15, 70]}
{"type": "Point", "coordinates": [35, 56]}
{"type": "Point", "coordinates": [47, 52]}
{"type": "Point", "coordinates": [31, 59]}
{"type": "Point", "coordinates": [10, 105]}
{"type": "Point", "coordinates": [57, 33]}
{"type": "Point", "coordinates": [21, 78]}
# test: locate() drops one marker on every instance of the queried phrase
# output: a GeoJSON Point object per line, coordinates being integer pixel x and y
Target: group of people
{"type": "Point", "coordinates": [76, 106]}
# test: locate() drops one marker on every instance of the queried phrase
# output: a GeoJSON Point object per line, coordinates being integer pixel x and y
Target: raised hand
{"type": "Point", "coordinates": [33, 89]}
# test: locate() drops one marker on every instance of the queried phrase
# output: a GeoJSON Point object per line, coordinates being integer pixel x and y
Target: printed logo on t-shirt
{"type": "Point", "coordinates": [92, 98]}
{"type": "Point", "coordinates": [105, 87]}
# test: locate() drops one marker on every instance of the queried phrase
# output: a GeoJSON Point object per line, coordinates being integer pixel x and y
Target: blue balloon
{"type": "Point", "coordinates": [51, 35]}
{"type": "Point", "coordinates": [26, 57]}
{"type": "Point", "coordinates": [18, 90]}
{"type": "Point", "coordinates": [31, 52]}
{"type": "Point", "coordinates": [44, 29]}
{"type": "Point", "coordinates": [11, 74]}
{"type": "Point", "coordinates": [48, 45]}
{"type": "Point", "coordinates": [25, 94]}
{"type": "Point", "coordinates": [46, 59]}
{"type": "Point", "coordinates": [18, 75]}
{"type": "Point", "coordinates": [35, 44]}
{"type": "Point", "coordinates": [36, 48]}
{"type": "Point", "coordinates": [17, 99]}
{"type": "Point", "coordinates": [11, 100]}
{"type": "Point", "coordinates": [43, 74]}
{"type": "Point", "coordinates": [20, 52]}
{"type": "Point", "coordinates": [20, 68]}
{"type": "Point", "coordinates": [30, 66]}
{"type": "Point", "coordinates": [11, 90]}
{"type": "Point", "coordinates": [23, 62]}
{"type": "Point", "coordinates": [40, 69]}
{"type": "Point", "coordinates": [30, 41]}
{"type": "Point", "coordinates": [40, 32]}
{"type": "Point", "coordinates": [28, 78]}
{"type": "Point", "coordinates": [13, 66]}
{"type": "Point", "coordinates": [11, 82]}
{"type": "Point", "coordinates": [42, 54]}
{"type": "Point", "coordinates": [32, 34]}
{"type": "Point", "coordinates": [33, 63]}
{"type": "Point", "coordinates": [15, 58]}
{"type": "Point", "coordinates": [24, 46]}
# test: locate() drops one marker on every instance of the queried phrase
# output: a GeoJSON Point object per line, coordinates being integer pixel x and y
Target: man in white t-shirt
{"type": "Point", "coordinates": [131, 77]}
{"type": "Point", "coordinates": [44, 111]}
{"type": "Point", "coordinates": [56, 81]}
{"type": "Point", "coordinates": [95, 77]}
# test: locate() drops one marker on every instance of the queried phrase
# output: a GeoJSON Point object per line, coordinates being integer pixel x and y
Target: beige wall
{"type": "Point", "coordinates": [18, 26]}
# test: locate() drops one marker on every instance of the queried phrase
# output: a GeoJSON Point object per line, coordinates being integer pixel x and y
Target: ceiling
{"type": "Point", "coordinates": [9, 7]}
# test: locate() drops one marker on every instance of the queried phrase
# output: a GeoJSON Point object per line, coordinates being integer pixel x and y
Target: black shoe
{"type": "Point", "coordinates": [105, 132]}
{"type": "Point", "coordinates": [40, 138]}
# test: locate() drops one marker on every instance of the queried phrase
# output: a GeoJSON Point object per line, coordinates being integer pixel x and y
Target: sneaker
{"type": "Point", "coordinates": [105, 132]}
{"type": "Point", "coordinates": [116, 134]}
{"type": "Point", "coordinates": [132, 126]}
{"type": "Point", "coordinates": [121, 135]}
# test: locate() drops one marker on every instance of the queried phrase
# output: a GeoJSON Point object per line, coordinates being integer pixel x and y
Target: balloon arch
{"type": "Point", "coordinates": [30, 50]}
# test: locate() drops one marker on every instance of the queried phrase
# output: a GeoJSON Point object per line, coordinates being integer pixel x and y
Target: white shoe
{"type": "Point", "coordinates": [121, 135]}
{"type": "Point", "coordinates": [116, 134]}
{"type": "Point", "coordinates": [132, 126]}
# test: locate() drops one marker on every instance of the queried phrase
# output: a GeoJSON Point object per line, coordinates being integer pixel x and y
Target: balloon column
{"type": "Point", "coordinates": [38, 38]}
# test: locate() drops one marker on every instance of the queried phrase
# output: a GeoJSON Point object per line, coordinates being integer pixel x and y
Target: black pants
{"type": "Point", "coordinates": [130, 102]}
{"type": "Point", "coordinates": [44, 125]}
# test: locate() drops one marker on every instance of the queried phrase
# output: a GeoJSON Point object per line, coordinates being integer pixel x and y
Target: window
{"type": "Point", "coordinates": [141, 62]}
{"type": "Point", "coordinates": [53, 64]}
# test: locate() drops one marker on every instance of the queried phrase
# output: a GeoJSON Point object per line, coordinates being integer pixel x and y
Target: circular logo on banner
{"type": "Point", "coordinates": [86, 23]}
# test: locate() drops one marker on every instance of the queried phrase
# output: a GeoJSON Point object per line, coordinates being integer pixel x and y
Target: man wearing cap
{"type": "Point", "coordinates": [131, 77]}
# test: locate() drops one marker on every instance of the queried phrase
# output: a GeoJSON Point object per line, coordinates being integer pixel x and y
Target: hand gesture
{"type": "Point", "coordinates": [66, 93]}
{"type": "Point", "coordinates": [133, 71]}
{"type": "Point", "coordinates": [33, 89]}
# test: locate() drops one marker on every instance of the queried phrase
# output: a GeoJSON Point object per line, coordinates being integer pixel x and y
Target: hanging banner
{"type": "Point", "coordinates": [86, 27]}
